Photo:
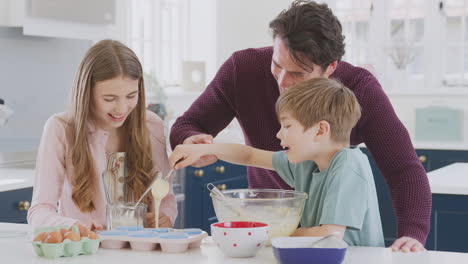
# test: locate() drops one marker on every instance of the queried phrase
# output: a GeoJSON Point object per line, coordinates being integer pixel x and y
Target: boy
{"type": "Point", "coordinates": [316, 119]}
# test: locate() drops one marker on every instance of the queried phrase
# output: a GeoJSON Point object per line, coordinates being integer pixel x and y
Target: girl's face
{"type": "Point", "coordinates": [113, 100]}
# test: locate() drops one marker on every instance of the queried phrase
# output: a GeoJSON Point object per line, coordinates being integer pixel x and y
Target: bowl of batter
{"type": "Point", "coordinates": [280, 209]}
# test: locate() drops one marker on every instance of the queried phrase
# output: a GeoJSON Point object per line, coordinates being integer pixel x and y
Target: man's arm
{"type": "Point", "coordinates": [212, 111]}
{"type": "Point", "coordinates": [185, 155]}
{"type": "Point", "coordinates": [390, 145]}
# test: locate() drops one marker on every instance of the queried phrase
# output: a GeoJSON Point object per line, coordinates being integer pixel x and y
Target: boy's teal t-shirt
{"type": "Point", "coordinates": [343, 194]}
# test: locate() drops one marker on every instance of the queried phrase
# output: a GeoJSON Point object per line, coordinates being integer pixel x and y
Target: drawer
{"type": "Point", "coordinates": [14, 205]}
{"type": "Point", "coordinates": [217, 171]}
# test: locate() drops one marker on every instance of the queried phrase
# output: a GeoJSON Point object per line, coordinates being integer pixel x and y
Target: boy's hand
{"type": "Point", "coordinates": [202, 139]}
{"type": "Point", "coordinates": [407, 244]}
{"type": "Point", "coordinates": [188, 154]}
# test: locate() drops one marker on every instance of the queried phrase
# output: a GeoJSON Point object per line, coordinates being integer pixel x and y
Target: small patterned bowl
{"type": "Point", "coordinates": [240, 239]}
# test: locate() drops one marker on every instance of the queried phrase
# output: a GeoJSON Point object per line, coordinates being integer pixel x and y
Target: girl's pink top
{"type": "Point", "coordinates": [52, 204]}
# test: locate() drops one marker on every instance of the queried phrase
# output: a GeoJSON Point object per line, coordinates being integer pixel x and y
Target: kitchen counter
{"type": "Point", "coordinates": [452, 179]}
{"type": "Point", "coordinates": [17, 170]}
{"type": "Point", "coordinates": [18, 250]}
{"type": "Point", "coordinates": [16, 178]}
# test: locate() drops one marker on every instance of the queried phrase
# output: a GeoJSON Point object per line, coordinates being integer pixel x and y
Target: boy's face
{"type": "Point", "coordinates": [297, 142]}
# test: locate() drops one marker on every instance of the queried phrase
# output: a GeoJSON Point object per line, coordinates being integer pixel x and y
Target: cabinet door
{"type": "Point", "coordinates": [387, 214]}
{"type": "Point", "coordinates": [449, 222]}
{"type": "Point", "coordinates": [15, 205]}
{"type": "Point", "coordinates": [443, 210]}
{"type": "Point", "coordinates": [199, 212]}
{"type": "Point", "coordinates": [209, 215]}
{"type": "Point", "coordinates": [195, 181]}
{"type": "Point", "coordinates": [88, 20]}
{"type": "Point", "coordinates": [436, 159]}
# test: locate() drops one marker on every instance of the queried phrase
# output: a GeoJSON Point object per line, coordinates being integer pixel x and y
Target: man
{"type": "Point", "coordinates": [308, 43]}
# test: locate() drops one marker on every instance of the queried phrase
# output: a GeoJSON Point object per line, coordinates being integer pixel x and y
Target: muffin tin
{"type": "Point", "coordinates": [146, 239]}
{"type": "Point", "coordinates": [67, 248]}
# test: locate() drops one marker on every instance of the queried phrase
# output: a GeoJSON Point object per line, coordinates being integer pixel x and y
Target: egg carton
{"type": "Point", "coordinates": [146, 239]}
{"type": "Point", "coordinates": [67, 248]}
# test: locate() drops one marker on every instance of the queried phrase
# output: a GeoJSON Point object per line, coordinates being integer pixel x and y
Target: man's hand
{"type": "Point", "coordinates": [164, 220]}
{"type": "Point", "coordinates": [202, 139]}
{"type": "Point", "coordinates": [407, 244]}
{"type": "Point", "coordinates": [187, 154]}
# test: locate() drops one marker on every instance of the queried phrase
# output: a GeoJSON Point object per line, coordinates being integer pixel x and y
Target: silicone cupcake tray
{"type": "Point", "coordinates": [67, 248]}
{"type": "Point", "coordinates": [170, 240]}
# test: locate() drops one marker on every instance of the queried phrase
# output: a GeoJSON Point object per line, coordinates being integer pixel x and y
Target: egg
{"type": "Point", "coordinates": [73, 236]}
{"type": "Point", "coordinates": [53, 237]}
{"type": "Point", "coordinates": [92, 235]}
{"type": "Point", "coordinates": [63, 231]}
{"type": "Point", "coordinates": [40, 237]}
{"type": "Point", "coordinates": [83, 230]}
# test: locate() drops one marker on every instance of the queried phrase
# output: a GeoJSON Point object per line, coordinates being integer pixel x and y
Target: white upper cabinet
{"type": "Point", "coordinates": [83, 19]}
{"type": "Point", "coordinates": [413, 46]}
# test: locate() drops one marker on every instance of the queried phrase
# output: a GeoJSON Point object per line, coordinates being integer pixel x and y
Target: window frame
{"type": "Point", "coordinates": [432, 43]}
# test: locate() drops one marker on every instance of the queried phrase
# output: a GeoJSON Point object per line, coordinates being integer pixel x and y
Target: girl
{"type": "Point", "coordinates": [107, 116]}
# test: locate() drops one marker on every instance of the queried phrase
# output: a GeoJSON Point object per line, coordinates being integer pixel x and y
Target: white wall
{"type": "Point", "coordinates": [201, 42]}
{"type": "Point", "coordinates": [244, 24]}
{"type": "Point", "coordinates": [36, 75]}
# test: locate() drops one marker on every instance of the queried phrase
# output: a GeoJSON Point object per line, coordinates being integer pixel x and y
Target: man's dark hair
{"type": "Point", "coordinates": [311, 32]}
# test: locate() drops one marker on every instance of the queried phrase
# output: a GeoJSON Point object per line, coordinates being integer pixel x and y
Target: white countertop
{"type": "Point", "coordinates": [452, 179]}
{"type": "Point", "coordinates": [16, 178]}
{"type": "Point", "coordinates": [19, 250]}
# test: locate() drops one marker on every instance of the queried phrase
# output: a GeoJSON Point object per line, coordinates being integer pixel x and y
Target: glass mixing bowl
{"type": "Point", "coordinates": [280, 209]}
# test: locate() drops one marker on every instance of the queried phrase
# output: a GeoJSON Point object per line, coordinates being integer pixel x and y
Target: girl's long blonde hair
{"type": "Point", "coordinates": [106, 60]}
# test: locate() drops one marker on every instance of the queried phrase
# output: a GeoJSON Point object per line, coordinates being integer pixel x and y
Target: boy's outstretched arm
{"type": "Point", "coordinates": [233, 153]}
{"type": "Point", "coordinates": [321, 230]}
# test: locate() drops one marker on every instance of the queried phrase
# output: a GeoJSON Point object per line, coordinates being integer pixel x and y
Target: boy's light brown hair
{"type": "Point", "coordinates": [322, 99]}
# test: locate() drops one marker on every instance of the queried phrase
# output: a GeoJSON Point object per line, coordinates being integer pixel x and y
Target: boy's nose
{"type": "Point", "coordinates": [278, 135]}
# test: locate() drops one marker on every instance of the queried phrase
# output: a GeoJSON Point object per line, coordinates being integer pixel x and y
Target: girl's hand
{"type": "Point", "coordinates": [95, 226]}
{"type": "Point", "coordinates": [164, 220]}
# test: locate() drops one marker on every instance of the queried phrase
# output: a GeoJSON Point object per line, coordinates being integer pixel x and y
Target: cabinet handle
{"type": "Point", "coordinates": [24, 205]}
{"type": "Point", "coordinates": [221, 187]}
{"type": "Point", "coordinates": [198, 173]}
{"type": "Point", "coordinates": [219, 169]}
{"type": "Point", "coordinates": [422, 158]}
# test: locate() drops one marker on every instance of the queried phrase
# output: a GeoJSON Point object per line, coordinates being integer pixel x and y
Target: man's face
{"type": "Point", "coordinates": [286, 72]}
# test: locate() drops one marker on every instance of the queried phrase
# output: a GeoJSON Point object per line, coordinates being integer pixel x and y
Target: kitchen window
{"type": "Point", "coordinates": [412, 46]}
{"type": "Point", "coordinates": [155, 33]}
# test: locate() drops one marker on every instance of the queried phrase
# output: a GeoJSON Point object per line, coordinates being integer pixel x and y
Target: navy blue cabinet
{"type": "Point", "coordinates": [14, 205]}
{"type": "Point", "coordinates": [449, 212]}
{"type": "Point", "coordinates": [449, 223]}
{"type": "Point", "coordinates": [199, 212]}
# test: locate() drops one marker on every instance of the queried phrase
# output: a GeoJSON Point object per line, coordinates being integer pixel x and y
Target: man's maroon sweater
{"type": "Point", "coordinates": [244, 88]}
